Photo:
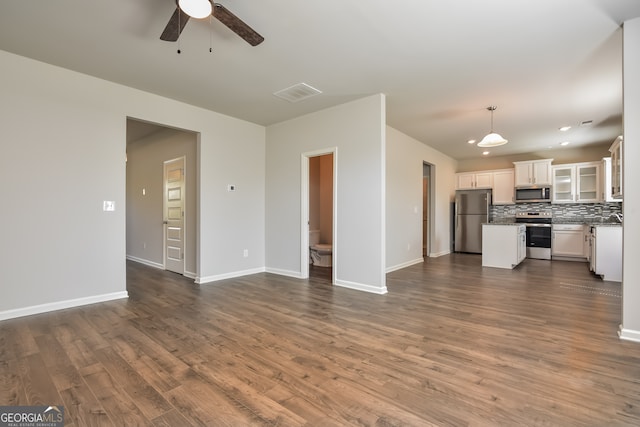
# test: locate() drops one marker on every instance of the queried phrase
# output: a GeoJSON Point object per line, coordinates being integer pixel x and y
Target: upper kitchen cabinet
{"type": "Point", "coordinates": [473, 180]}
{"type": "Point", "coordinates": [577, 183]}
{"type": "Point", "coordinates": [616, 168]}
{"type": "Point", "coordinates": [500, 182]}
{"type": "Point", "coordinates": [503, 183]}
{"type": "Point", "coordinates": [607, 189]}
{"type": "Point", "coordinates": [536, 172]}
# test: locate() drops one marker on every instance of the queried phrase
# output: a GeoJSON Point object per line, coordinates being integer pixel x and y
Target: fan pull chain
{"type": "Point", "coordinates": [210, 33]}
{"type": "Point", "coordinates": [179, 14]}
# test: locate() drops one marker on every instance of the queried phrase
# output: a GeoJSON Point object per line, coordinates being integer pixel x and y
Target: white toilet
{"type": "Point", "coordinates": [320, 253]}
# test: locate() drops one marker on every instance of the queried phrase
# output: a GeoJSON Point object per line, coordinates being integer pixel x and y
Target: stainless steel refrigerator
{"type": "Point", "coordinates": [471, 210]}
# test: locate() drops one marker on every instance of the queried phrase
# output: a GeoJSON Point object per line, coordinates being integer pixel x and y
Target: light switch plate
{"type": "Point", "coordinates": [109, 206]}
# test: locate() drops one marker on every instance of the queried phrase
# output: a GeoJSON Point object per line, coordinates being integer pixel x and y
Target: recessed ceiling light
{"type": "Point", "coordinates": [565, 143]}
{"type": "Point", "coordinates": [485, 153]}
{"type": "Point", "coordinates": [564, 128]}
{"type": "Point", "coordinates": [471, 141]}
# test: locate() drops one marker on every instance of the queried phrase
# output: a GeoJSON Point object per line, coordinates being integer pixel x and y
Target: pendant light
{"type": "Point", "coordinates": [492, 139]}
{"type": "Point", "coordinates": [196, 8]}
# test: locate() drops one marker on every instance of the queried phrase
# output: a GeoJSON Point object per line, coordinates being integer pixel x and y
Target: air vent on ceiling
{"type": "Point", "coordinates": [297, 92]}
{"type": "Point", "coordinates": [586, 123]}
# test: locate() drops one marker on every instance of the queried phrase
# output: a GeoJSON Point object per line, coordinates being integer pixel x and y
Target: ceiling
{"type": "Point", "coordinates": [543, 63]}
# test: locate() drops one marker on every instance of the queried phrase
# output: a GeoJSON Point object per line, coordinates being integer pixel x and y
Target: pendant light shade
{"type": "Point", "coordinates": [196, 8]}
{"type": "Point", "coordinates": [492, 139]}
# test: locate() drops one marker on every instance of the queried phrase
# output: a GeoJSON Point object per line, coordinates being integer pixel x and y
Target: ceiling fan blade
{"type": "Point", "coordinates": [236, 25]}
{"type": "Point", "coordinates": [175, 26]}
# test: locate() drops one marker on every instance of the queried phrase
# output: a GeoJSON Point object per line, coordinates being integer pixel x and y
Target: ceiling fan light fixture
{"type": "Point", "coordinates": [198, 9]}
{"type": "Point", "coordinates": [492, 139]}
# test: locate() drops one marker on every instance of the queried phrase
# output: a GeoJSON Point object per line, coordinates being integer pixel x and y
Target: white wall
{"type": "Point", "coordinates": [145, 170]}
{"type": "Point", "coordinates": [405, 159]}
{"type": "Point", "coordinates": [357, 129]}
{"type": "Point", "coordinates": [63, 154]}
{"type": "Point", "coordinates": [630, 328]}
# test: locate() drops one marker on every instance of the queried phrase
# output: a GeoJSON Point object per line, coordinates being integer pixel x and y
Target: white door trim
{"type": "Point", "coordinates": [304, 212]}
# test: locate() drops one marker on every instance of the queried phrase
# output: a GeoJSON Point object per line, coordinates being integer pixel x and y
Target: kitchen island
{"type": "Point", "coordinates": [503, 244]}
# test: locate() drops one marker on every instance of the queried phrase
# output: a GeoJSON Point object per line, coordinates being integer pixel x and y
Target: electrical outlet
{"type": "Point", "coordinates": [246, 253]}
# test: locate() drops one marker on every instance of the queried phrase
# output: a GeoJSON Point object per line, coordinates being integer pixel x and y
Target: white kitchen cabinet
{"type": "Point", "coordinates": [616, 168]}
{"type": "Point", "coordinates": [535, 172]}
{"type": "Point", "coordinates": [500, 182]}
{"type": "Point", "coordinates": [606, 252]}
{"type": "Point", "coordinates": [607, 195]}
{"type": "Point", "coordinates": [503, 187]}
{"type": "Point", "coordinates": [564, 182]}
{"type": "Point", "coordinates": [473, 180]}
{"type": "Point", "coordinates": [568, 241]}
{"type": "Point", "coordinates": [503, 245]}
{"type": "Point", "coordinates": [577, 183]}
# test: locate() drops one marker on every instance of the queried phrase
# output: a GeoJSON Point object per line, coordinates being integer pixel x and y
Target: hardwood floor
{"type": "Point", "coordinates": [451, 344]}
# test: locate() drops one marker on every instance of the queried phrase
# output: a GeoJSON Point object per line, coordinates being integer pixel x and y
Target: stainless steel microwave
{"type": "Point", "coordinates": [533, 194]}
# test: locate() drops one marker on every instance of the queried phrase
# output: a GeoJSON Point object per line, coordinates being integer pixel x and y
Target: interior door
{"type": "Point", "coordinates": [174, 186]}
{"type": "Point", "coordinates": [425, 216]}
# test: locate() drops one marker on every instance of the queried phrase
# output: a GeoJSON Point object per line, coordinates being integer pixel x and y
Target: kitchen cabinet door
{"type": "Point", "coordinates": [503, 187]}
{"type": "Point", "coordinates": [542, 172]}
{"type": "Point", "coordinates": [616, 168]}
{"type": "Point", "coordinates": [564, 184]}
{"type": "Point", "coordinates": [567, 240]}
{"type": "Point", "coordinates": [465, 181]}
{"type": "Point", "coordinates": [588, 183]}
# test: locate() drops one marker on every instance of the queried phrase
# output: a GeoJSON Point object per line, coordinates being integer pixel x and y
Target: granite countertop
{"type": "Point", "coordinates": [586, 221]}
{"type": "Point", "coordinates": [582, 221]}
{"type": "Point", "coordinates": [502, 223]}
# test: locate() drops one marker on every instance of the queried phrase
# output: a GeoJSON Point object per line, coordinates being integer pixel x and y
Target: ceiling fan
{"type": "Point", "coordinates": [180, 18]}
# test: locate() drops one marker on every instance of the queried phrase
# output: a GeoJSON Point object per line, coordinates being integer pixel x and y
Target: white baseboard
{"type": "Point", "coordinates": [61, 305]}
{"type": "Point", "coordinates": [628, 334]}
{"type": "Point", "coordinates": [208, 279]}
{"type": "Point", "coordinates": [288, 273]}
{"type": "Point", "coordinates": [187, 274]}
{"type": "Point", "coordinates": [438, 254]}
{"type": "Point", "coordinates": [145, 262]}
{"type": "Point", "coordinates": [361, 287]}
{"type": "Point", "coordinates": [405, 265]}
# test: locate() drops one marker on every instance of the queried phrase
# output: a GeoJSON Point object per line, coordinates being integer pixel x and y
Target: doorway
{"type": "Point", "coordinates": [319, 189]}
{"type": "Point", "coordinates": [161, 220]}
{"type": "Point", "coordinates": [427, 195]}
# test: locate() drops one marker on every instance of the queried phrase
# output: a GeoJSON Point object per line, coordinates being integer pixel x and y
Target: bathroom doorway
{"type": "Point", "coordinates": [319, 212]}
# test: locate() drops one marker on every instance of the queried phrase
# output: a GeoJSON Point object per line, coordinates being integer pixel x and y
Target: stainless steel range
{"type": "Point", "coordinates": [538, 233]}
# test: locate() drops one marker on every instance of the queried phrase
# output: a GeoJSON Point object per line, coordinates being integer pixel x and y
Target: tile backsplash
{"type": "Point", "coordinates": [570, 212]}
